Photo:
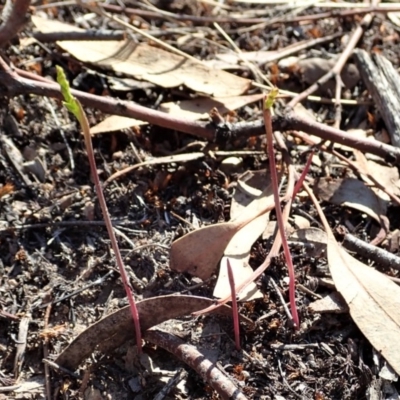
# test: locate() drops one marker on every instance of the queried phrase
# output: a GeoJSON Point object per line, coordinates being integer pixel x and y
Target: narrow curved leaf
{"type": "Point", "coordinates": [117, 328]}
{"type": "Point", "coordinates": [199, 252]}
{"type": "Point", "coordinates": [373, 300]}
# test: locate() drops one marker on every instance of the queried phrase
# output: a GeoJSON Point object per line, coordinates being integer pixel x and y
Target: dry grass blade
{"type": "Point", "coordinates": [199, 251]}
{"type": "Point", "coordinates": [373, 299]}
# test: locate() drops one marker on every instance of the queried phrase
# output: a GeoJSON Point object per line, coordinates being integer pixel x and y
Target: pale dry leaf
{"type": "Point", "coordinates": [384, 174]}
{"type": "Point", "coordinates": [199, 252]}
{"type": "Point", "coordinates": [200, 108]}
{"type": "Point", "coordinates": [33, 386]}
{"type": "Point", "coordinates": [239, 247]}
{"type": "Point", "coordinates": [352, 193]}
{"type": "Point", "coordinates": [149, 63]}
{"type": "Point", "coordinates": [251, 184]}
{"type": "Point", "coordinates": [241, 272]}
{"type": "Point", "coordinates": [300, 222]}
{"type": "Point", "coordinates": [115, 123]}
{"type": "Point", "coordinates": [394, 18]}
{"type": "Point", "coordinates": [313, 239]}
{"type": "Point", "coordinates": [373, 300]}
{"type": "Point", "coordinates": [269, 230]}
{"type": "Point", "coordinates": [332, 303]}
{"type": "Point", "coordinates": [312, 69]}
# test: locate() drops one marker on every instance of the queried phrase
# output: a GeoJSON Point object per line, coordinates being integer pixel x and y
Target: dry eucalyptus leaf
{"type": "Point", "coordinates": [314, 240]}
{"type": "Point", "coordinates": [117, 328]}
{"type": "Point", "coordinates": [241, 272]}
{"type": "Point", "coordinates": [115, 123]}
{"type": "Point", "coordinates": [352, 193]}
{"type": "Point", "coordinates": [200, 108]}
{"type": "Point", "coordinates": [312, 69]}
{"type": "Point", "coordinates": [384, 174]}
{"type": "Point", "coordinates": [300, 222]}
{"type": "Point", "coordinates": [199, 252]}
{"type": "Point", "coordinates": [149, 63]}
{"type": "Point", "coordinates": [373, 300]}
{"type": "Point", "coordinates": [238, 249]}
{"type": "Point", "coordinates": [333, 303]}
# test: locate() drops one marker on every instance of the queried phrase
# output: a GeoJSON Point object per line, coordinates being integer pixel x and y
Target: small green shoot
{"type": "Point", "coordinates": [270, 99]}
{"type": "Point", "coordinates": [69, 101]}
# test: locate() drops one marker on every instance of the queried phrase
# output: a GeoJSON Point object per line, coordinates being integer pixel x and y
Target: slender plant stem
{"type": "Point", "coordinates": [235, 312]}
{"type": "Point", "coordinates": [279, 216]}
{"type": "Point", "coordinates": [75, 107]}
{"type": "Point", "coordinates": [124, 276]}
{"type": "Point", "coordinates": [303, 175]}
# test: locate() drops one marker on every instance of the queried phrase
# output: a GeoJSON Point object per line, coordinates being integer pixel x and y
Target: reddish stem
{"type": "Point", "coordinates": [106, 215]}
{"type": "Point", "coordinates": [235, 312]}
{"type": "Point", "coordinates": [303, 175]}
{"type": "Point", "coordinates": [279, 216]}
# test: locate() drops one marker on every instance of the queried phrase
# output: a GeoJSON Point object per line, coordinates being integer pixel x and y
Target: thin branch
{"type": "Point", "coordinates": [337, 69]}
{"type": "Point", "coordinates": [197, 361]}
{"type": "Point", "coordinates": [380, 256]}
{"type": "Point", "coordinates": [14, 18]}
{"type": "Point", "coordinates": [247, 21]}
{"type": "Point", "coordinates": [11, 84]}
{"type": "Point", "coordinates": [90, 34]}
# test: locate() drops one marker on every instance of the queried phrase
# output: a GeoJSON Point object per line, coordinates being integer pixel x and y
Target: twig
{"type": "Point", "coordinates": [197, 361]}
{"type": "Point", "coordinates": [21, 345]}
{"type": "Point", "coordinates": [14, 18]}
{"type": "Point", "coordinates": [57, 367]}
{"type": "Point", "coordinates": [290, 347]}
{"type": "Point", "coordinates": [56, 224]}
{"type": "Point", "coordinates": [381, 79]}
{"type": "Point", "coordinates": [5, 389]}
{"type": "Point", "coordinates": [79, 35]}
{"type": "Point", "coordinates": [76, 292]}
{"type": "Point", "coordinates": [179, 375]}
{"type": "Point", "coordinates": [341, 61]}
{"type": "Point", "coordinates": [249, 21]}
{"type": "Point", "coordinates": [13, 85]}
{"type": "Point", "coordinates": [286, 382]}
{"type": "Point", "coordinates": [282, 300]}
{"type": "Point", "coordinates": [380, 256]}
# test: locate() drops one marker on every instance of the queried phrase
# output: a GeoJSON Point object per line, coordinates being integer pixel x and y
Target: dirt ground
{"type": "Point", "coordinates": [57, 270]}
